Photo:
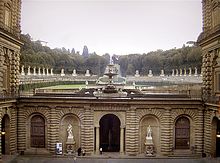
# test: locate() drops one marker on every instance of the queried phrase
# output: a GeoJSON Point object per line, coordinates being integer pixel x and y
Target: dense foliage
{"type": "Point", "coordinates": [33, 53]}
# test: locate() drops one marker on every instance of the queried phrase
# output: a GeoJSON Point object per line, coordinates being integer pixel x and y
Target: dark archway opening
{"type": "Point", "coordinates": [110, 133]}
{"type": "Point", "coordinates": [218, 139]}
{"type": "Point", "coordinates": [5, 134]}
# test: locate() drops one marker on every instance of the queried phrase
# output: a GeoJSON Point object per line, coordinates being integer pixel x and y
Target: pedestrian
{"type": "Point", "coordinates": [79, 151]}
{"type": "Point", "coordinates": [83, 152]}
{"type": "Point", "coordinates": [100, 150]}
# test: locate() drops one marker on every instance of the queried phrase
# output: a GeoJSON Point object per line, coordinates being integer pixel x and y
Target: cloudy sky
{"type": "Point", "coordinates": [113, 26]}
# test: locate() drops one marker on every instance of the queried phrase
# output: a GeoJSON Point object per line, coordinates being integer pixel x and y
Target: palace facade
{"type": "Point", "coordinates": [181, 125]}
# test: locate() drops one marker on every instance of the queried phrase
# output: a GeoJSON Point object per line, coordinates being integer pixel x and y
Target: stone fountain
{"type": "Point", "coordinates": [110, 80]}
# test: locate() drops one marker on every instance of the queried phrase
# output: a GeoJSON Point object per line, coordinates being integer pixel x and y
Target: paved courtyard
{"type": "Point", "coordinates": [41, 159]}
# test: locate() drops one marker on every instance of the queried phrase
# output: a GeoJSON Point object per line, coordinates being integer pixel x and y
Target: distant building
{"type": "Point", "coordinates": [180, 125]}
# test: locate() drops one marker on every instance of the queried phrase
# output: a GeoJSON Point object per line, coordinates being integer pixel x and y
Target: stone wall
{"type": "Point", "coordinates": [134, 116]}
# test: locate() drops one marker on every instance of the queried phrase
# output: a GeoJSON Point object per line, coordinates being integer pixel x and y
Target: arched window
{"type": "Point", "coordinates": [182, 133]}
{"type": "Point", "coordinates": [37, 132]}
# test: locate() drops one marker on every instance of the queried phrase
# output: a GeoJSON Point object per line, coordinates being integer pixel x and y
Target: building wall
{"type": "Point", "coordinates": [209, 42]}
{"type": "Point", "coordinates": [9, 71]}
{"type": "Point", "coordinates": [134, 119]}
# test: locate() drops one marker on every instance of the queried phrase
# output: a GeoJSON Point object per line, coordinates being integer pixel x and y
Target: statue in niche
{"type": "Point", "coordinates": [70, 144]}
{"type": "Point", "coordinates": [149, 145]}
{"type": "Point", "coordinates": [70, 131]}
{"type": "Point", "coordinates": [149, 132]}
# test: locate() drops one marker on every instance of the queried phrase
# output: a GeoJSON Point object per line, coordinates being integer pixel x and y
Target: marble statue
{"type": "Point", "coordinates": [149, 132]}
{"type": "Point", "coordinates": [70, 131]}
{"type": "Point", "coordinates": [149, 145]}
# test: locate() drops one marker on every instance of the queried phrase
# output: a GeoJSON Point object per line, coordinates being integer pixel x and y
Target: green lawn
{"type": "Point", "coordinates": [66, 86]}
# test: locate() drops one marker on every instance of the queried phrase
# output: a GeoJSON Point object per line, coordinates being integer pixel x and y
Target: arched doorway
{"type": "Point", "coordinates": [37, 132]}
{"type": "Point", "coordinates": [5, 136]}
{"type": "Point", "coordinates": [110, 133]}
{"type": "Point", "coordinates": [216, 137]}
{"type": "Point", "coordinates": [182, 133]}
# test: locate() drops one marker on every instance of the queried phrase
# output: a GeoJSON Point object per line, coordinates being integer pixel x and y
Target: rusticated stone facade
{"type": "Point", "coordinates": [209, 40]}
{"type": "Point", "coordinates": [180, 126]}
{"type": "Point", "coordinates": [9, 73]}
{"type": "Point", "coordinates": [134, 116]}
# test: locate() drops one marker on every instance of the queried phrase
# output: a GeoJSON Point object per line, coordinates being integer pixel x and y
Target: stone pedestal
{"type": "Point", "coordinates": [150, 74]}
{"type": "Point", "coordinates": [29, 70]}
{"type": "Point", "coordinates": [51, 71]}
{"type": "Point", "coordinates": [137, 73]}
{"type": "Point", "coordinates": [190, 71]}
{"type": "Point", "coordinates": [74, 73]}
{"type": "Point", "coordinates": [70, 145]}
{"type": "Point", "coordinates": [173, 72]}
{"type": "Point", "coordinates": [87, 73]}
{"type": "Point", "coordinates": [62, 72]}
{"type": "Point", "coordinates": [149, 147]}
{"type": "Point", "coordinates": [177, 72]}
{"type": "Point", "coordinates": [184, 71]}
{"type": "Point", "coordinates": [196, 73]}
{"type": "Point", "coordinates": [22, 71]}
{"type": "Point", "coordinates": [162, 73]}
{"type": "Point", "coordinates": [34, 73]}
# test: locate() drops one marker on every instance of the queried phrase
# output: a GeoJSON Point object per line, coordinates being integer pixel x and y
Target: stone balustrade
{"type": "Point", "coordinates": [49, 72]}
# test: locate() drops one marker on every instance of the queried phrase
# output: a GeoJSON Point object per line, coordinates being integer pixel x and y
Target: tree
{"type": "Point", "coordinates": [73, 51]}
{"type": "Point", "coordinates": [85, 53]}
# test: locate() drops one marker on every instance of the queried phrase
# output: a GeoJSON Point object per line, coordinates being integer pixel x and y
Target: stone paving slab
{"type": "Point", "coordinates": [36, 159]}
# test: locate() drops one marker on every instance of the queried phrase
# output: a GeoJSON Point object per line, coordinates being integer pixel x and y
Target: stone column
{"type": "Point", "coordinates": [122, 140]}
{"type": "Point", "coordinates": [181, 72]}
{"type": "Point", "coordinates": [162, 73]}
{"type": "Point", "coordinates": [184, 71]}
{"type": "Point", "coordinates": [62, 72]}
{"type": "Point", "coordinates": [29, 70]}
{"type": "Point", "coordinates": [190, 71]}
{"type": "Point", "coordinates": [47, 72]}
{"type": "Point", "coordinates": [196, 72]}
{"type": "Point", "coordinates": [43, 71]}
{"type": "Point", "coordinates": [34, 73]}
{"type": "Point", "coordinates": [22, 70]}
{"type": "Point", "coordinates": [173, 72]}
{"type": "Point", "coordinates": [97, 143]}
{"type": "Point", "coordinates": [177, 72]}
{"type": "Point", "coordinates": [39, 73]}
{"type": "Point", "coordinates": [51, 71]}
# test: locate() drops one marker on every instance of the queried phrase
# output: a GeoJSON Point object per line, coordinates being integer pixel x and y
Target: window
{"type": "Point", "coordinates": [182, 133]}
{"type": "Point", "coordinates": [7, 15]}
{"type": "Point", "coordinates": [37, 132]}
{"type": "Point", "coordinates": [215, 13]}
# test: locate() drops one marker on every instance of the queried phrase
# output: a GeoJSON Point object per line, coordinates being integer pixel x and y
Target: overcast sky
{"type": "Point", "coordinates": [113, 26]}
